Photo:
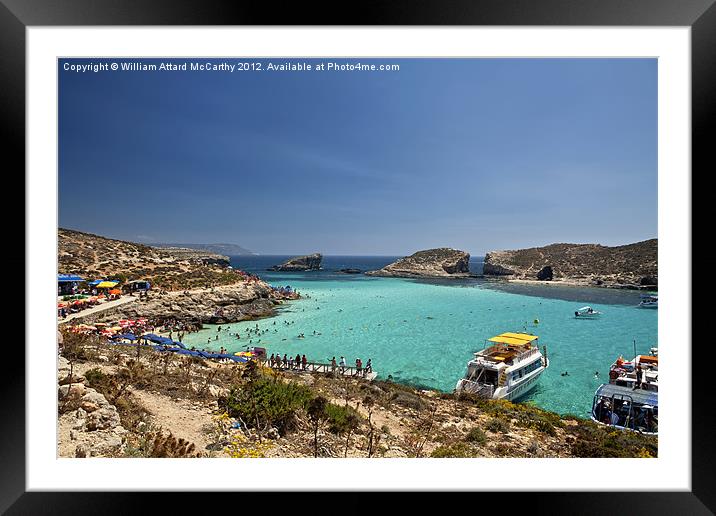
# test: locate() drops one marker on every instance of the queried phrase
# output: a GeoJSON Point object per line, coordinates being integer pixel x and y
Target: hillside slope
{"type": "Point", "coordinates": [94, 256]}
{"type": "Point", "coordinates": [626, 265]}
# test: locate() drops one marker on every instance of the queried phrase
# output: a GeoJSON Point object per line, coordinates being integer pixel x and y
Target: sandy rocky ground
{"type": "Point", "coordinates": [94, 428]}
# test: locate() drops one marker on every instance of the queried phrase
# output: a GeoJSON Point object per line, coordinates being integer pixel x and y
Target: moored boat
{"type": "Point", "coordinates": [587, 312]}
{"type": "Point", "coordinates": [630, 401]}
{"type": "Point", "coordinates": [626, 408]}
{"type": "Point", "coordinates": [507, 368]}
{"type": "Point", "coordinates": [649, 301]}
{"type": "Point", "coordinates": [641, 372]}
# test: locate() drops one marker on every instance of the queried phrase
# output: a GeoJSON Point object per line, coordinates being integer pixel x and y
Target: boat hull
{"type": "Point", "coordinates": [509, 393]}
{"type": "Point", "coordinates": [622, 427]}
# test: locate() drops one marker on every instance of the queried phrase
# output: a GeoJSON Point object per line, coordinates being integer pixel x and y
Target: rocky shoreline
{"type": "Point", "coordinates": [632, 266]}
{"type": "Point", "coordinates": [217, 305]}
{"type": "Point", "coordinates": [431, 263]}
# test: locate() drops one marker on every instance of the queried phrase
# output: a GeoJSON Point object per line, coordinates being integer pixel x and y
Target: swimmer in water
{"type": "Point", "coordinates": [596, 374]}
{"type": "Point", "coordinates": [566, 373]}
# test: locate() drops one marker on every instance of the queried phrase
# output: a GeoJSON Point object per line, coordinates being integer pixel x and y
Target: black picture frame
{"type": "Point", "coordinates": [699, 15]}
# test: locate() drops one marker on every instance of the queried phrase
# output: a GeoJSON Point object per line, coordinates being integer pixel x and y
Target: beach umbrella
{"type": "Point", "coordinates": [115, 291]}
{"type": "Point", "coordinates": [107, 284]}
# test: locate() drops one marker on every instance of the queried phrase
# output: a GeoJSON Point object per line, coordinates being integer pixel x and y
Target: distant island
{"type": "Point", "coordinates": [223, 249]}
{"type": "Point", "coordinates": [430, 263]}
{"type": "Point", "coordinates": [625, 266]}
{"type": "Point", "coordinates": [309, 262]}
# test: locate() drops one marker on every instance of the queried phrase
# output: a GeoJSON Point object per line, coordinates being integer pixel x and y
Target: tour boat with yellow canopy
{"type": "Point", "coordinates": [507, 368]}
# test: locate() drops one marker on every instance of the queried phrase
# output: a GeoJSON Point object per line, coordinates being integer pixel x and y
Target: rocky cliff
{"type": "Point", "coordinates": [219, 305]}
{"type": "Point", "coordinates": [632, 265]}
{"type": "Point", "coordinates": [310, 262]}
{"type": "Point", "coordinates": [431, 263]}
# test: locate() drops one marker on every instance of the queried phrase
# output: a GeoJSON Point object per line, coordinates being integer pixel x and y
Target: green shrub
{"type": "Point", "coordinates": [592, 440]}
{"type": "Point", "coordinates": [273, 403]}
{"type": "Point", "coordinates": [476, 435]}
{"type": "Point", "coordinates": [455, 450]}
{"type": "Point", "coordinates": [498, 425]}
{"type": "Point", "coordinates": [341, 419]}
{"type": "Point", "coordinates": [408, 400]}
{"type": "Point", "coordinates": [95, 377]}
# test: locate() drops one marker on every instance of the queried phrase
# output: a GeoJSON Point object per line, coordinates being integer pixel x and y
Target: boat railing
{"type": "Point", "coordinates": [318, 367]}
{"type": "Point", "coordinates": [484, 390]}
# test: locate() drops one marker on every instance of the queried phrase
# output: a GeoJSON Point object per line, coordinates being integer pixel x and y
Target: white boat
{"type": "Point", "coordinates": [630, 401]}
{"type": "Point", "coordinates": [626, 409]}
{"type": "Point", "coordinates": [626, 374]}
{"type": "Point", "coordinates": [649, 301]}
{"type": "Point", "coordinates": [587, 312]}
{"type": "Point", "coordinates": [507, 368]}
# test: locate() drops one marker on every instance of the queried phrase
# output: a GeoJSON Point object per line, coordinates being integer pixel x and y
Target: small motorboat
{"type": "Point", "coordinates": [587, 312]}
{"type": "Point", "coordinates": [649, 301]}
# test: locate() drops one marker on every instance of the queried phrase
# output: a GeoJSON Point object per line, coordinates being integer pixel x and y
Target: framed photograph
{"type": "Point", "coordinates": [267, 251]}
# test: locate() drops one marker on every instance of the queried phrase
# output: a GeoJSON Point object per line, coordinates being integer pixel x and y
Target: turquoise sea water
{"type": "Point", "coordinates": [424, 332]}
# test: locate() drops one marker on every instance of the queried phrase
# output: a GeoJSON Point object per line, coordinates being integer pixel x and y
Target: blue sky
{"type": "Point", "coordinates": [476, 154]}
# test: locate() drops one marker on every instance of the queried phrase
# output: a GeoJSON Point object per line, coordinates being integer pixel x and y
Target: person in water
{"type": "Point", "coordinates": [566, 373]}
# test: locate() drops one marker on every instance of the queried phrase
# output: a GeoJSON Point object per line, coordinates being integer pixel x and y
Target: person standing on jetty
{"type": "Point", "coordinates": [304, 361]}
{"type": "Point", "coordinates": [333, 366]}
{"type": "Point", "coordinates": [359, 366]}
{"type": "Point", "coordinates": [343, 364]}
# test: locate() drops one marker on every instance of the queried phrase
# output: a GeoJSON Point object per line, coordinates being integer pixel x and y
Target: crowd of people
{"type": "Point", "coordinates": [300, 363]}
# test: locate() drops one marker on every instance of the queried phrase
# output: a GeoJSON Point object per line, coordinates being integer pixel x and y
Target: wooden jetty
{"type": "Point", "coordinates": [316, 367]}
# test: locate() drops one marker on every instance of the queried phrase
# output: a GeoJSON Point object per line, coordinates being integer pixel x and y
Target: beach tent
{"type": "Point", "coordinates": [67, 283]}
{"type": "Point", "coordinates": [68, 278]}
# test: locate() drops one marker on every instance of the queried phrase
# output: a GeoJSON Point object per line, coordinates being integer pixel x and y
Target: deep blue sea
{"type": "Point", "coordinates": [423, 332]}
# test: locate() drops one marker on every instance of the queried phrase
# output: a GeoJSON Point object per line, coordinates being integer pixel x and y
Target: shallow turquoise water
{"type": "Point", "coordinates": [424, 333]}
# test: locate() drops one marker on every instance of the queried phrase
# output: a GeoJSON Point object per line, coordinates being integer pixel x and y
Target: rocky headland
{"type": "Point", "coordinates": [431, 263]}
{"type": "Point", "coordinates": [309, 262]}
{"type": "Point", "coordinates": [188, 285]}
{"type": "Point", "coordinates": [626, 266]}
{"type": "Point", "coordinates": [215, 305]}
{"type": "Point", "coordinates": [221, 249]}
